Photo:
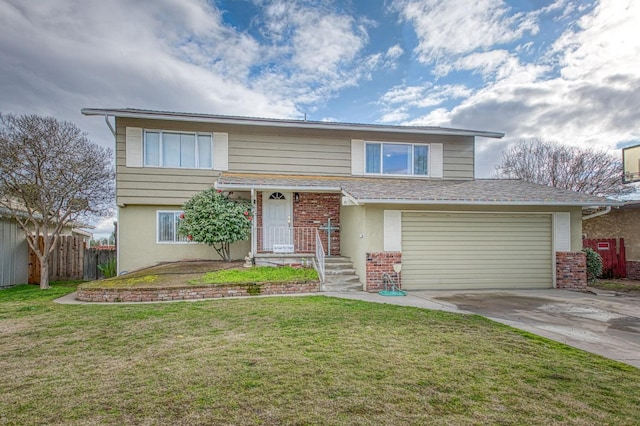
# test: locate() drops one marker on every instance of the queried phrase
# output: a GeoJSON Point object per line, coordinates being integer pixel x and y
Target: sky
{"type": "Point", "coordinates": [565, 71]}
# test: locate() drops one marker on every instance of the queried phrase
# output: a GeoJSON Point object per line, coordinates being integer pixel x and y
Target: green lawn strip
{"type": "Point", "coordinates": [302, 360]}
{"type": "Point", "coordinates": [629, 287]}
{"type": "Point", "coordinates": [258, 274]}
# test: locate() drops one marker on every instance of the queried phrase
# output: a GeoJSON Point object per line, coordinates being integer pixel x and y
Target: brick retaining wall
{"type": "Point", "coordinates": [377, 265]}
{"type": "Point", "coordinates": [571, 271]}
{"type": "Point", "coordinates": [192, 292]}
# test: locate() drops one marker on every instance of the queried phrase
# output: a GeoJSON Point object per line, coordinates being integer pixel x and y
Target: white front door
{"type": "Point", "coordinates": [277, 220]}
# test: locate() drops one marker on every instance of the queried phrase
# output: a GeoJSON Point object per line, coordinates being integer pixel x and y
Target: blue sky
{"type": "Point", "coordinates": [561, 70]}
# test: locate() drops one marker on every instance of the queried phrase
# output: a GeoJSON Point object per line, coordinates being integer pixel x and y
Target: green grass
{"type": "Point", "coordinates": [298, 360]}
{"type": "Point", "coordinates": [257, 274]}
{"type": "Point", "coordinates": [620, 285]}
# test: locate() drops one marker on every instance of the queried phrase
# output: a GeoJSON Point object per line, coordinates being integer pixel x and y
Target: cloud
{"type": "Point", "coordinates": [458, 27]}
{"type": "Point", "coordinates": [590, 98]}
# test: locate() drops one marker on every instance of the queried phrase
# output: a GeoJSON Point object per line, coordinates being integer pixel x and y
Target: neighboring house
{"type": "Point", "coordinates": [398, 194]}
{"type": "Point", "coordinates": [620, 222]}
{"type": "Point", "coordinates": [14, 249]}
{"type": "Point", "coordinates": [14, 252]}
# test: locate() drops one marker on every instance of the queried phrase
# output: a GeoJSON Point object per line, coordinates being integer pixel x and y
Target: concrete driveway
{"type": "Point", "coordinates": [604, 324]}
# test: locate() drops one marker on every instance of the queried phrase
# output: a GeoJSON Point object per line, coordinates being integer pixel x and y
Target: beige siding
{"type": "Point", "coordinates": [283, 154]}
{"type": "Point", "coordinates": [138, 247]}
{"type": "Point", "coordinates": [265, 150]}
{"type": "Point", "coordinates": [476, 250]}
{"type": "Point", "coordinates": [152, 185]}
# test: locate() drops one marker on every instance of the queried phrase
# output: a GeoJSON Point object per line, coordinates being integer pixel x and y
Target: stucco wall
{"type": "Point", "coordinates": [352, 245]}
{"type": "Point", "coordinates": [138, 247]}
{"type": "Point", "coordinates": [617, 224]}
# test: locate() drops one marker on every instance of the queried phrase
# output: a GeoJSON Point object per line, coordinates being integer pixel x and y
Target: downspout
{"type": "Point", "coordinates": [254, 226]}
{"type": "Point", "coordinates": [596, 214]}
{"type": "Point", "coordinates": [113, 131]}
{"type": "Point", "coordinates": [115, 139]}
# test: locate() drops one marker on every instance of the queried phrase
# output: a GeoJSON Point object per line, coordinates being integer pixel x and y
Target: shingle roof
{"type": "Point", "coordinates": [419, 191]}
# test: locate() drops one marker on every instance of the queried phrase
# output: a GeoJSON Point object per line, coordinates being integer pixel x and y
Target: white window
{"type": "Point", "coordinates": [396, 158]}
{"type": "Point", "coordinates": [167, 222]}
{"type": "Point", "coordinates": [177, 150]}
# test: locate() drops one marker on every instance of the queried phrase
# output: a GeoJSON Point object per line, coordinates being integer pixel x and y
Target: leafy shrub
{"type": "Point", "coordinates": [594, 264]}
{"type": "Point", "coordinates": [211, 217]}
{"type": "Point", "coordinates": [108, 269]}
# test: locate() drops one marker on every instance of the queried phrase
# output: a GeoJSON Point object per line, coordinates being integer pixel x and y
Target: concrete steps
{"type": "Point", "coordinates": [340, 275]}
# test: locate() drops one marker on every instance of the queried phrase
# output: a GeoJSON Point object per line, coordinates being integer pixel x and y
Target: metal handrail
{"type": "Point", "coordinates": [319, 258]}
{"type": "Point", "coordinates": [300, 237]}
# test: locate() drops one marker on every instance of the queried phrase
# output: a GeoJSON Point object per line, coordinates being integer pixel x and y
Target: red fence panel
{"type": "Point", "coordinates": [613, 256]}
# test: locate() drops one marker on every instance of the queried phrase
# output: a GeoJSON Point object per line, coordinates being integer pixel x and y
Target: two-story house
{"type": "Point", "coordinates": [379, 195]}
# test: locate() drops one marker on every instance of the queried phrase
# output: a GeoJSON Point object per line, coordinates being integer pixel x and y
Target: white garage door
{"type": "Point", "coordinates": [476, 250]}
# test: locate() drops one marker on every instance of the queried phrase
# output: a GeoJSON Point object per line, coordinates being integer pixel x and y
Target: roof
{"type": "Point", "coordinates": [274, 122]}
{"type": "Point", "coordinates": [366, 190]}
{"type": "Point", "coordinates": [631, 205]}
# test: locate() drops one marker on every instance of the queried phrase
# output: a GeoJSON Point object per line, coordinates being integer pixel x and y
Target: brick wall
{"type": "Point", "coordinates": [633, 269]}
{"type": "Point", "coordinates": [312, 210]}
{"type": "Point", "coordinates": [377, 265]}
{"type": "Point", "coordinates": [571, 271]}
{"type": "Point", "coordinates": [191, 293]}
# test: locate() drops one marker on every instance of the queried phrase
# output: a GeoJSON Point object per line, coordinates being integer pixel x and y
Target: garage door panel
{"type": "Point", "coordinates": [469, 250]}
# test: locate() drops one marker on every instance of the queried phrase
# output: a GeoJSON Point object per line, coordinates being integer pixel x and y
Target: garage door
{"type": "Point", "coordinates": [476, 250]}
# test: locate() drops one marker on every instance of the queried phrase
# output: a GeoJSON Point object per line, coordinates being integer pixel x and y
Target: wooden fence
{"type": "Point", "coordinates": [93, 257]}
{"type": "Point", "coordinates": [70, 260]}
{"type": "Point", "coordinates": [614, 264]}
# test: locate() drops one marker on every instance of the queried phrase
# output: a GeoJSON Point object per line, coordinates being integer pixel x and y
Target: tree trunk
{"type": "Point", "coordinates": [44, 274]}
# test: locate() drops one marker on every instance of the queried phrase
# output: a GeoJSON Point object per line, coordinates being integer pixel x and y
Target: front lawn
{"type": "Point", "coordinates": [291, 360]}
{"type": "Point", "coordinates": [258, 274]}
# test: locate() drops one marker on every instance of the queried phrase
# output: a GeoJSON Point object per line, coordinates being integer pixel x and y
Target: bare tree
{"type": "Point", "coordinates": [51, 177]}
{"type": "Point", "coordinates": [583, 170]}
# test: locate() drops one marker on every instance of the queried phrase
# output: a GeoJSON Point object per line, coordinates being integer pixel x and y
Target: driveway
{"type": "Point", "coordinates": [604, 324]}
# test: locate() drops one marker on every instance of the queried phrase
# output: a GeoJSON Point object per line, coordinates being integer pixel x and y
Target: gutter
{"type": "Point", "coordinates": [484, 203]}
{"type": "Point", "coordinates": [266, 122]}
{"type": "Point", "coordinates": [596, 214]}
{"type": "Point", "coordinates": [243, 186]}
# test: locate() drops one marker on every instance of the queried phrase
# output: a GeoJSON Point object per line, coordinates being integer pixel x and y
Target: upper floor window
{"type": "Point", "coordinates": [396, 158]}
{"type": "Point", "coordinates": [173, 149]}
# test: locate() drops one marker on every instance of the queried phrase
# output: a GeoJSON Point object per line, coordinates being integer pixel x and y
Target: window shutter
{"type": "Point", "coordinates": [392, 230]}
{"type": "Point", "coordinates": [357, 157]}
{"type": "Point", "coordinates": [436, 162]}
{"type": "Point", "coordinates": [133, 147]}
{"type": "Point", "coordinates": [562, 231]}
{"type": "Point", "coordinates": [221, 151]}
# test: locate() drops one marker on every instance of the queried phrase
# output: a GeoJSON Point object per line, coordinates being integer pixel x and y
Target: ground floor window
{"type": "Point", "coordinates": [167, 227]}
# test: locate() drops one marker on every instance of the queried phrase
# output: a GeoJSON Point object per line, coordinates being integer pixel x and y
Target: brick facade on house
{"type": "Point", "coordinates": [311, 211]}
{"type": "Point", "coordinates": [377, 265]}
{"type": "Point", "coordinates": [191, 293]}
{"type": "Point", "coordinates": [571, 271]}
{"type": "Point", "coordinates": [633, 269]}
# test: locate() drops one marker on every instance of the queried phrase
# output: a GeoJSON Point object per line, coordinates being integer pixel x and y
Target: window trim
{"type": "Point", "coordinates": [175, 212]}
{"type": "Point", "coordinates": [413, 165]}
{"type": "Point", "coordinates": [161, 141]}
